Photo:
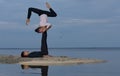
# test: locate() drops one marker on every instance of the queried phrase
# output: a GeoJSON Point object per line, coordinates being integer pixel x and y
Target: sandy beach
{"type": "Point", "coordinates": [56, 60]}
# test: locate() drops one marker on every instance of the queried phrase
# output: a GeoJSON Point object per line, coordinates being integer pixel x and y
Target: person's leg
{"type": "Point", "coordinates": [52, 13]}
{"type": "Point", "coordinates": [35, 10]}
{"type": "Point", "coordinates": [39, 12]}
{"type": "Point", "coordinates": [44, 47]}
{"type": "Point", "coordinates": [44, 70]}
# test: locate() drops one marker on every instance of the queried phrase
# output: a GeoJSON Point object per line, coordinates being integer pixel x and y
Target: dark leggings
{"type": "Point", "coordinates": [44, 47]}
{"type": "Point", "coordinates": [44, 69]}
{"type": "Point", "coordinates": [50, 13]}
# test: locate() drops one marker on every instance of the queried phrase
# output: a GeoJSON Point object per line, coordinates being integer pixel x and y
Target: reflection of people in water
{"type": "Point", "coordinates": [44, 69]}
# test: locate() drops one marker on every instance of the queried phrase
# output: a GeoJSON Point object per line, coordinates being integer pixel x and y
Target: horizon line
{"type": "Point", "coordinates": [68, 48]}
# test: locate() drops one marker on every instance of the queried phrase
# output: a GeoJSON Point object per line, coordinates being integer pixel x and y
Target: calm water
{"type": "Point", "coordinates": [110, 68]}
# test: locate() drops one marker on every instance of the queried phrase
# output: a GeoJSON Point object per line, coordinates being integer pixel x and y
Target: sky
{"type": "Point", "coordinates": [80, 23]}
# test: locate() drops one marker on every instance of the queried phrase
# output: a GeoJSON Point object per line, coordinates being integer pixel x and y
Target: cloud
{"type": "Point", "coordinates": [114, 20]}
{"type": "Point", "coordinates": [9, 25]}
{"type": "Point", "coordinates": [87, 21]}
{"type": "Point", "coordinates": [16, 26]}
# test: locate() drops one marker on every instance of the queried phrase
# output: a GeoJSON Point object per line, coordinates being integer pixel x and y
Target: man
{"type": "Point", "coordinates": [43, 16]}
{"type": "Point", "coordinates": [44, 48]}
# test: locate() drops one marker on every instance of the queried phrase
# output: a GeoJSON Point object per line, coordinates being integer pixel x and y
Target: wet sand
{"type": "Point", "coordinates": [56, 60]}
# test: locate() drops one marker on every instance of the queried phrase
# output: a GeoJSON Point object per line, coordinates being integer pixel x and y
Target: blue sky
{"type": "Point", "coordinates": [80, 23]}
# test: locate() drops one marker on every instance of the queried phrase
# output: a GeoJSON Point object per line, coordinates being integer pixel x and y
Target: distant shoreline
{"type": "Point", "coordinates": [65, 48]}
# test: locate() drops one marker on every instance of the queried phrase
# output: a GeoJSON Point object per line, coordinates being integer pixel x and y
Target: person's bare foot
{"type": "Point", "coordinates": [27, 21]}
{"type": "Point", "coordinates": [47, 56]}
{"type": "Point", "coordinates": [46, 28]}
{"type": "Point", "coordinates": [41, 29]}
{"type": "Point", "coordinates": [48, 5]}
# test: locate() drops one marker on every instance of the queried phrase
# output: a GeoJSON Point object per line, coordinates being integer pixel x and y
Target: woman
{"type": "Point", "coordinates": [43, 16]}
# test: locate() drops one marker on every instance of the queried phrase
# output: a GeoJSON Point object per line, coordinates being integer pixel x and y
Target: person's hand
{"type": "Point", "coordinates": [27, 21]}
{"type": "Point", "coordinates": [48, 5]}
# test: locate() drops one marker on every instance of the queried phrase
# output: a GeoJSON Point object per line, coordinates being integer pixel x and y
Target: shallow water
{"type": "Point", "coordinates": [110, 68]}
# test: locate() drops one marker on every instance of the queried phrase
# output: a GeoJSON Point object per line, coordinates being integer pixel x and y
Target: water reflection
{"type": "Point", "coordinates": [44, 69]}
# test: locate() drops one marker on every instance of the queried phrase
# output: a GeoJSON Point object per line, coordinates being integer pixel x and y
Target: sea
{"type": "Point", "coordinates": [109, 68]}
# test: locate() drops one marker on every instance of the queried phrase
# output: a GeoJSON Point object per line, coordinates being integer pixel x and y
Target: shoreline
{"type": "Point", "coordinates": [56, 60]}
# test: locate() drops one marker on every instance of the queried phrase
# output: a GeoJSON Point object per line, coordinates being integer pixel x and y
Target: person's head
{"type": "Point", "coordinates": [40, 29]}
{"type": "Point", "coordinates": [24, 54]}
{"type": "Point", "coordinates": [25, 66]}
